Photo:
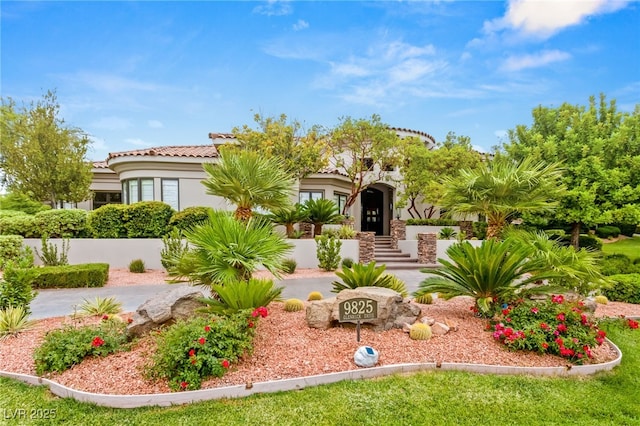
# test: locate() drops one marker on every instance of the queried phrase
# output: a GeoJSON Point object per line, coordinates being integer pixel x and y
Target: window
{"type": "Point", "coordinates": [170, 194]}
{"type": "Point", "coordinates": [305, 196]}
{"type": "Point", "coordinates": [102, 198]}
{"type": "Point", "coordinates": [341, 201]}
{"type": "Point", "coordinates": [368, 163]}
{"type": "Point", "coordinates": [135, 190]}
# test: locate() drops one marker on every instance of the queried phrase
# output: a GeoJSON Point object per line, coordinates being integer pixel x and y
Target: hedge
{"type": "Point", "coordinates": [10, 248]}
{"type": "Point", "coordinates": [190, 217]}
{"type": "Point", "coordinates": [107, 221]}
{"type": "Point", "coordinates": [624, 288]}
{"type": "Point", "coordinates": [24, 225]}
{"type": "Point", "coordinates": [147, 219]}
{"type": "Point", "coordinates": [432, 222]}
{"type": "Point", "coordinates": [71, 276]}
{"type": "Point", "coordinates": [607, 231]}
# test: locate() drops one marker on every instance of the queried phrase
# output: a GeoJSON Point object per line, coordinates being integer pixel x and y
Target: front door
{"type": "Point", "coordinates": [372, 211]}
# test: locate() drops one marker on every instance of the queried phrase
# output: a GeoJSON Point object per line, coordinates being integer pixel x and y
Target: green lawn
{"type": "Point", "coordinates": [628, 246]}
{"type": "Point", "coordinates": [434, 398]}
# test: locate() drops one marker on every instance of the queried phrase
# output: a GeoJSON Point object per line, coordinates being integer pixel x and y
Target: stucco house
{"type": "Point", "coordinates": [173, 174]}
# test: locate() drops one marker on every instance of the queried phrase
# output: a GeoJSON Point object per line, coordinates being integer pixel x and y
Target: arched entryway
{"type": "Point", "coordinates": [373, 211]}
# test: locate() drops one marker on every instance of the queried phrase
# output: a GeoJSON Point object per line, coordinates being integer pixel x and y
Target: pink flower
{"type": "Point", "coordinates": [250, 324]}
{"type": "Point", "coordinates": [534, 310]}
{"type": "Point", "coordinates": [583, 319]}
{"type": "Point", "coordinates": [545, 345]}
{"type": "Point", "coordinates": [192, 352]}
{"type": "Point", "coordinates": [633, 324]}
{"type": "Point", "coordinates": [105, 317]}
{"type": "Point", "coordinates": [562, 328]}
{"type": "Point", "coordinates": [560, 342]}
{"type": "Point", "coordinates": [129, 320]}
{"type": "Point", "coordinates": [567, 352]}
{"type": "Point", "coordinates": [506, 311]}
{"type": "Point", "coordinates": [225, 363]}
{"type": "Point", "coordinates": [193, 360]}
{"type": "Point", "coordinates": [557, 299]}
{"type": "Point", "coordinates": [544, 326]}
{"type": "Point", "coordinates": [207, 328]}
{"type": "Point", "coordinates": [97, 342]}
{"type": "Point", "coordinates": [183, 385]}
{"type": "Point", "coordinates": [262, 311]}
{"type": "Point", "coordinates": [560, 317]}
{"type": "Point", "coordinates": [202, 340]}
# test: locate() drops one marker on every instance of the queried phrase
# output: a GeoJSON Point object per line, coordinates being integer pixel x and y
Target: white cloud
{"type": "Point", "coordinates": [349, 70]}
{"type": "Point", "coordinates": [535, 60]}
{"type": "Point", "coordinates": [112, 83]}
{"type": "Point", "coordinates": [137, 142]}
{"type": "Point", "coordinates": [155, 124]}
{"type": "Point", "coordinates": [112, 123]}
{"type": "Point", "coordinates": [300, 25]}
{"type": "Point", "coordinates": [545, 18]}
{"type": "Point", "coordinates": [274, 8]}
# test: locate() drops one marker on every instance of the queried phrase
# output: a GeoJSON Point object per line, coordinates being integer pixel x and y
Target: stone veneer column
{"type": "Point", "coordinates": [350, 221]}
{"type": "Point", "coordinates": [398, 232]}
{"type": "Point", "coordinates": [427, 248]}
{"type": "Point", "coordinates": [307, 229]}
{"type": "Point", "coordinates": [466, 226]}
{"type": "Point", "coordinates": [367, 247]}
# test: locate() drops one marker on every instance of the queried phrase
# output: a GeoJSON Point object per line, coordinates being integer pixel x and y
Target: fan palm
{"type": "Point", "coordinates": [224, 250]}
{"type": "Point", "coordinates": [502, 189]}
{"type": "Point", "coordinates": [493, 272]}
{"type": "Point", "coordinates": [289, 217]}
{"type": "Point", "coordinates": [249, 180]}
{"type": "Point", "coordinates": [320, 212]}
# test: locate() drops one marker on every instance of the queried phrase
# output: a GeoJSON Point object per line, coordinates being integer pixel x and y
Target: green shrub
{"type": "Point", "coordinates": [50, 256]}
{"type": "Point", "coordinates": [107, 221]}
{"type": "Point", "coordinates": [15, 287]}
{"type": "Point", "coordinates": [190, 217]}
{"type": "Point", "coordinates": [347, 262]}
{"type": "Point", "coordinates": [623, 288]}
{"type": "Point", "coordinates": [14, 321]}
{"type": "Point", "coordinates": [615, 263]}
{"type": "Point", "coordinates": [67, 223]}
{"type": "Point", "coordinates": [607, 231]}
{"type": "Point", "coordinates": [293, 305]}
{"type": "Point", "coordinates": [346, 232]}
{"type": "Point", "coordinates": [173, 249]}
{"type": "Point", "coordinates": [289, 266]}
{"type": "Point", "coordinates": [432, 222]}
{"type": "Point", "coordinates": [21, 203]}
{"type": "Point", "coordinates": [237, 296]}
{"type": "Point", "coordinates": [190, 351]}
{"type": "Point", "coordinates": [554, 326]}
{"type": "Point", "coordinates": [627, 229]}
{"type": "Point", "coordinates": [100, 306]}
{"type": "Point", "coordinates": [584, 241]}
{"type": "Point", "coordinates": [480, 230]}
{"type": "Point", "coordinates": [11, 213]}
{"type": "Point", "coordinates": [10, 248]}
{"type": "Point", "coordinates": [328, 252]}
{"type": "Point", "coordinates": [147, 219]}
{"type": "Point", "coordinates": [447, 233]}
{"type": "Point", "coordinates": [137, 266]}
{"type": "Point", "coordinates": [362, 276]}
{"type": "Point", "coordinates": [24, 225]}
{"type": "Point", "coordinates": [63, 348]}
{"type": "Point", "coordinates": [71, 276]}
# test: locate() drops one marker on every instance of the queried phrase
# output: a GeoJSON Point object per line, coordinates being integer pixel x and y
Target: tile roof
{"type": "Point", "coordinates": [195, 151]}
{"type": "Point", "coordinates": [100, 165]}
{"type": "Point", "coordinates": [425, 134]}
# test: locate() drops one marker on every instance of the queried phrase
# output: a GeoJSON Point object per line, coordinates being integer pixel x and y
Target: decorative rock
{"type": "Point", "coordinates": [590, 305]}
{"type": "Point", "coordinates": [366, 356]}
{"type": "Point", "coordinates": [427, 320]}
{"type": "Point", "coordinates": [165, 308]}
{"type": "Point", "coordinates": [393, 310]}
{"type": "Point", "coordinates": [439, 329]}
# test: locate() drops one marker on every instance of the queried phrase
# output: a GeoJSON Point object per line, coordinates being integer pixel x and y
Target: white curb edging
{"type": "Point", "coordinates": [239, 391]}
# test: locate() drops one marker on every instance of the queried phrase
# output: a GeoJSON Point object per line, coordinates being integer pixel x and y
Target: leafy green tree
{"type": "Point", "coordinates": [302, 154]}
{"type": "Point", "coordinates": [501, 190]}
{"type": "Point", "coordinates": [423, 170]}
{"type": "Point", "coordinates": [40, 155]}
{"type": "Point", "coordinates": [249, 180]}
{"type": "Point", "coordinates": [600, 151]}
{"type": "Point", "coordinates": [363, 150]}
{"type": "Point", "coordinates": [22, 203]}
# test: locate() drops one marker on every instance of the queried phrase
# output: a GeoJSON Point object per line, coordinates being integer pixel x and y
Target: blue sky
{"type": "Point", "coordinates": [140, 74]}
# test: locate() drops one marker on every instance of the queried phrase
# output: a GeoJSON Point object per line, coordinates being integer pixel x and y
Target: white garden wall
{"type": "Point", "coordinates": [414, 230]}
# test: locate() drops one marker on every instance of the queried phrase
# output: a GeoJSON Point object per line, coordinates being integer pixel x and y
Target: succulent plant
{"type": "Point", "coordinates": [289, 266]}
{"type": "Point", "coordinates": [314, 295]}
{"type": "Point", "coordinates": [293, 305]}
{"type": "Point", "coordinates": [425, 299]}
{"type": "Point", "coordinates": [601, 299]}
{"type": "Point", "coordinates": [420, 331]}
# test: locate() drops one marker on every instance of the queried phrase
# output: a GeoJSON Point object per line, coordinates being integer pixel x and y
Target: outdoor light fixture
{"type": "Point", "coordinates": [398, 211]}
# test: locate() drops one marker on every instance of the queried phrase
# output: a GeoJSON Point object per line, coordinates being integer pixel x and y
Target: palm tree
{"type": "Point", "coordinates": [249, 180]}
{"type": "Point", "coordinates": [224, 250]}
{"type": "Point", "coordinates": [493, 273]}
{"type": "Point", "coordinates": [289, 217]}
{"type": "Point", "coordinates": [320, 212]}
{"type": "Point", "coordinates": [502, 189]}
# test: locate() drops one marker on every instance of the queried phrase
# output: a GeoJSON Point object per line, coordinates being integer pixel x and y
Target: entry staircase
{"type": "Point", "coordinates": [393, 258]}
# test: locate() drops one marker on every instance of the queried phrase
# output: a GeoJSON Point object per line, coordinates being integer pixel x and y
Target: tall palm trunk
{"type": "Point", "coordinates": [243, 214]}
{"type": "Point", "coordinates": [575, 235]}
{"type": "Point", "coordinates": [494, 228]}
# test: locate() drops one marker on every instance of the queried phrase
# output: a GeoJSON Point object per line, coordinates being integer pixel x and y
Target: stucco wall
{"type": "Point", "coordinates": [414, 230]}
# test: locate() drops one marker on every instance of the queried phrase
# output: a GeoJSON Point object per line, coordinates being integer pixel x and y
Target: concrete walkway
{"type": "Point", "coordinates": [60, 302]}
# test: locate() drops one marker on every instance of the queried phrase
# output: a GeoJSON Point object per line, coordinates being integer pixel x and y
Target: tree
{"type": "Point", "coordinates": [600, 151]}
{"type": "Point", "coordinates": [363, 150]}
{"type": "Point", "coordinates": [302, 154]}
{"type": "Point", "coordinates": [502, 189]}
{"type": "Point", "coordinates": [249, 180]}
{"type": "Point", "coordinates": [288, 217]}
{"type": "Point", "coordinates": [40, 155]}
{"type": "Point", "coordinates": [320, 212]}
{"type": "Point", "coordinates": [423, 170]}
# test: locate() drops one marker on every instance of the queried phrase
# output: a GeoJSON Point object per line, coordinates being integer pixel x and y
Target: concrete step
{"type": "Point", "coordinates": [408, 266]}
{"type": "Point", "coordinates": [406, 259]}
{"type": "Point", "coordinates": [391, 255]}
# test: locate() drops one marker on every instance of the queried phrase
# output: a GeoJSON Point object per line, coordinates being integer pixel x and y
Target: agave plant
{"type": "Point", "coordinates": [493, 273]}
{"type": "Point", "coordinates": [14, 321]}
{"type": "Point", "coordinates": [447, 233]}
{"type": "Point", "coordinates": [321, 212]}
{"type": "Point", "coordinates": [224, 250]}
{"type": "Point", "coordinates": [100, 306]}
{"type": "Point", "coordinates": [367, 275]}
{"type": "Point", "coordinates": [236, 296]}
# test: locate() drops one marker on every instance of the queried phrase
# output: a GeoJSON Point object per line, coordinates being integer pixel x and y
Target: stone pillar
{"type": "Point", "coordinates": [307, 230]}
{"type": "Point", "coordinates": [466, 226]}
{"type": "Point", "coordinates": [398, 232]}
{"type": "Point", "coordinates": [349, 221]}
{"type": "Point", "coordinates": [367, 246]}
{"type": "Point", "coordinates": [427, 248]}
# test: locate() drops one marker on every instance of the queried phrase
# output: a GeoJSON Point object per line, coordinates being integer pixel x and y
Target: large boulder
{"type": "Point", "coordinates": [393, 310]}
{"type": "Point", "coordinates": [165, 308]}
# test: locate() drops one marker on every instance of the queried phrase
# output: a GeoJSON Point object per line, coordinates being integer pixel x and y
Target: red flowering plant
{"type": "Point", "coordinates": [189, 352]}
{"type": "Point", "coordinates": [554, 326]}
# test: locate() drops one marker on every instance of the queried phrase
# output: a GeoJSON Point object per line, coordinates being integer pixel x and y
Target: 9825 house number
{"type": "Point", "coordinates": [29, 413]}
